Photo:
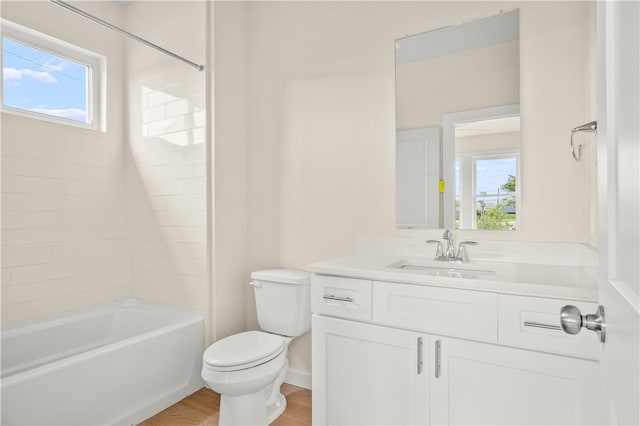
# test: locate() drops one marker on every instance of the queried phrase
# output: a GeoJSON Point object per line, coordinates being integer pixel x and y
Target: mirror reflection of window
{"type": "Point", "coordinates": [487, 184]}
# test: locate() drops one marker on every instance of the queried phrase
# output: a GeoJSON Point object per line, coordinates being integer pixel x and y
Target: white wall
{"type": "Point", "coordinates": [229, 160]}
{"type": "Point", "coordinates": [63, 218]}
{"type": "Point", "coordinates": [320, 154]}
{"type": "Point", "coordinates": [492, 142]}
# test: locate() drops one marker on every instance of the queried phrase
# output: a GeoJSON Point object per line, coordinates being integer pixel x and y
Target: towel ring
{"type": "Point", "coordinates": [590, 127]}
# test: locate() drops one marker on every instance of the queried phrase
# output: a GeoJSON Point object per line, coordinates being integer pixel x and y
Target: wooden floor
{"type": "Point", "coordinates": [203, 406]}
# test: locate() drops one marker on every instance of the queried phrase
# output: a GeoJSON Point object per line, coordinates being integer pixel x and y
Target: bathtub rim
{"type": "Point", "coordinates": [187, 317]}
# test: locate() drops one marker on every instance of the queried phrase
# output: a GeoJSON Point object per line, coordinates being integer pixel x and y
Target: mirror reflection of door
{"type": "Point", "coordinates": [418, 173]}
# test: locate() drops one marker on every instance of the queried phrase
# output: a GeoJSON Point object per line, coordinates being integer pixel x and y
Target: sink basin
{"type": "Point", "coordinates": [446, 270]}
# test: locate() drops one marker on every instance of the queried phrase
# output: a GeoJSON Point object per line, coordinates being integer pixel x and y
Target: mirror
{"type": "Point", "coordinates": [457, 116]}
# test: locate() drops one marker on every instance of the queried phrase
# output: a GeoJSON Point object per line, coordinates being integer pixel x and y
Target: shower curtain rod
{"type": "Point", "coordinates": [125, 33]}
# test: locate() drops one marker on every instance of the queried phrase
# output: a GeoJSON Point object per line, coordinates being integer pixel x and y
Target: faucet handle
{"type": "Point", "coordinates": [461, 251]}
{"type": "Point", "coordinates": [438, 249]}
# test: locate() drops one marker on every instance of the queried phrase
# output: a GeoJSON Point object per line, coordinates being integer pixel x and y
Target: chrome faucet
{"type": "Point", "coordinates": [448, 237]}
{"type": "Point", "coordinates": [449, 253]}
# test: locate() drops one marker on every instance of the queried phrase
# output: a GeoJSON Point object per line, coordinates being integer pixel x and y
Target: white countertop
{"type": "Point", "coordinates": [527, 279]}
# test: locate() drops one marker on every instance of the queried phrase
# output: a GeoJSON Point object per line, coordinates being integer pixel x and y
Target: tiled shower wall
{"type": "Point", "coordinates": [90, 217]}
{"type": "Point", "coordinates": [166, 155]}
{"type": "Point", "coordinates": [63, 202]}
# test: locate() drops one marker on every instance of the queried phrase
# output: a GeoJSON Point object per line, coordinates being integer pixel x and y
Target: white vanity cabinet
{"type": "Point", "coordinates": [368, 375]}
{"type": "Point", "coordinates": [480, 383]}
{"type": "Point", "coordinates": [394, 353]}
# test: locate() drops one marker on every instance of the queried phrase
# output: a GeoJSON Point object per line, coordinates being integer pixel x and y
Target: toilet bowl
{"type": "Point", "coordinates": [247, 369]}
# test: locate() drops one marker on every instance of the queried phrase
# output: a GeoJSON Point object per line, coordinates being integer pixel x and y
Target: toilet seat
{"type": "Point", "coordinates": [243, 350]}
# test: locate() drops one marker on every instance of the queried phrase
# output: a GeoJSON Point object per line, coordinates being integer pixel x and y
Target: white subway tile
{"type": "Point", "coordinates": [178, 138]}
{"type": "Point", "coordinates": [68, 285]}
{"type": "Point", "coordinates": [179, 107]}
{"type": "Point", "coordinates": [185, 202]}
{"type": "Point", "coordinates": [198, 135]}
{"type": "Point", "coordinates": [185, 170]}
{"type": "Point", "coordinates": [88, 249]}
{"type": "Point", "coordinates": [151, 83]}
{"type": "Point", "coordinates": [6, 277]}
{"type": "Point", "coordinates": [184, 234]}
{"type": "Point", "coordinates": [30, 202]}
{"type": "Point", "coordinates": [174, 87]}
{"type": "Point", "coordinates": [195, 153]}
{"type": "Point", "coordinates": [192, 267]}
{"type": "Point", "coordinates": [32, 255]}
{"type": "Point", "coordinates": [25, 292]}
{"type": "Point", "coordinates": [164, 187]}
{"type": "Point", "coordinates": [42, 272]}
{"type": "Point", "coordinates": [157, 203]}
{"type": "Point", "coordinates": [154, 113]}
{"type": "Point", "coordinates": [169, 125]}
{"type": "Point", "coordinates": [159, 97]}
{"type": "Point", "coordinates": [181, 218]}
{"type": "Point", "coordinates": [22, 219]}
{"type": "Point", "coordinates": [152, 173]}
{"type": "Point", "coordinates": [197, 185]}
{"type": "Point", "coordinates": [199, 119]}
{"type": "Point", "coordinates": [196, 251]}
{"type": "Point", "coordinates": [32, 309]}
{"type": "Point", "coordinates": [163, 157]}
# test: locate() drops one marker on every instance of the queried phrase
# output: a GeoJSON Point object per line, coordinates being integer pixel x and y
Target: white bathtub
{"type": "Point", "coordinates": [117, 363]}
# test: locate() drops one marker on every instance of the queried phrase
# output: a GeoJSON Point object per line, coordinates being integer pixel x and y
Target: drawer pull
{"type": "Point", "coordinates": [338, 298]}
{"type": "Point", "coordinates": [541, 325]}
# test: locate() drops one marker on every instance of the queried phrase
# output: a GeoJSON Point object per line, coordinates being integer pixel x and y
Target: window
{"type": "Point", "coordinates": [49, 79]}
{"type": "Point", "coordinates": [487, 191]}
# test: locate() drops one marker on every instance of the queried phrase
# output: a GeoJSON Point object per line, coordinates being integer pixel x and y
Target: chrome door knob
{"type": "Point", "coordinates": [573, 321]}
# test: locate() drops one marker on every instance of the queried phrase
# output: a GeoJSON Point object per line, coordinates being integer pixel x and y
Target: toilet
{"type": "Point", "coordinates": [247, 369]}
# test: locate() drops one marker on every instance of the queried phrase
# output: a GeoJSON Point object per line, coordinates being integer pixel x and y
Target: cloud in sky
{"type": "Point", "coordinates": [60, 66]}
{"type": "Point", "coordinates": [69, 113]}
{"type": "Point", "coordinates": [14, 76]}
{"type": "Point", "coordinates": [41, 76]}
{"type": "Point", "coordinates": [11, 75]}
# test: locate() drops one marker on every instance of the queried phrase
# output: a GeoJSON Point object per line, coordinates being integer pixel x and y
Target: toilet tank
{"type": "Point", "coordinates": [283, 302]}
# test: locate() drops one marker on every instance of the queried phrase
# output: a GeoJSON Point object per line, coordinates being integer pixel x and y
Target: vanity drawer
{"type": "Point", "coordinates": [341, 297]}
{"type": "Point", "coordinates": [437, 310]}
{"type": "Point", "coordinates": [534, 323]}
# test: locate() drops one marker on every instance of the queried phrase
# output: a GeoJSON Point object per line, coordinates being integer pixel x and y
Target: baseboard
{"type": "Point", "coordinates": [298, 378]}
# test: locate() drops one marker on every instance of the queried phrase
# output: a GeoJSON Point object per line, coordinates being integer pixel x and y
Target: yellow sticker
{"type": "Point", "coordinates": [441, 186]}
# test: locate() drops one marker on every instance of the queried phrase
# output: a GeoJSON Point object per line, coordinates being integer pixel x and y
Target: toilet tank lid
{"type": "Point", "coordinates": [288, 276]}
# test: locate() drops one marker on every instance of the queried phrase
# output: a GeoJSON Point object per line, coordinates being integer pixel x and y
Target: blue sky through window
{"type": "Point", "coordinates": [491, 174]}
{"type": "Point", "coordinates": [37, 81]}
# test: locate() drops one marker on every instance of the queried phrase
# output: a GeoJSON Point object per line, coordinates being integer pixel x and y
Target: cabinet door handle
{"type": "Point", "coordinates": [338, 298]}
{"type": "Point", "coordinates": [541, 325]}
{"type": "Point", "coordinates": [420, 355]}
{"type": "Point", "coordinates": [437, 358]}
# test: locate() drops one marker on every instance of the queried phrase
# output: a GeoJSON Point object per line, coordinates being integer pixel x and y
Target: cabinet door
{"type": "Point", "coordinates": [478, 383]}
{"type": "Point", "coordinates": [365, 374]}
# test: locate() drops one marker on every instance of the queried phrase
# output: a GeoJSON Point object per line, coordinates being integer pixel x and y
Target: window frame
{"type": "Point", "coordinates": [94, 62]}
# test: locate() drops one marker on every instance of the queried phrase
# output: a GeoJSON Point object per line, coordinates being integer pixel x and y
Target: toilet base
{"type": "Point", "coordinates": [249, 409]}
{"type": "Point", "coordinates": [276, 409]}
